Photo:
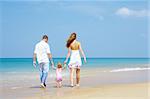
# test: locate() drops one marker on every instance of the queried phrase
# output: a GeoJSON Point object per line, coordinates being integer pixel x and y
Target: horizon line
{"type": "Point", "coordinates": [81, 57]}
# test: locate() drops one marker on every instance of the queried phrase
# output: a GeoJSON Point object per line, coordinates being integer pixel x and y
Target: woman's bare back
{"type": "Point", "coordinates": [75, 45]}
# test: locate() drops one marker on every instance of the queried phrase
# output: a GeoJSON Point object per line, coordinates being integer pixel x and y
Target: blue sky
{"type": "Point", "coordinates": [105, 28]}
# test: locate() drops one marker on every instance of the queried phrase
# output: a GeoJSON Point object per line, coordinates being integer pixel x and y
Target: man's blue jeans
{"type": "Point", "coordinates": [43, 68]}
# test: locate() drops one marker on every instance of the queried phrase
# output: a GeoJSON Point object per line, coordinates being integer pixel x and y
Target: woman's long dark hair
{"type": "Point", "coordinates": [71, 39]}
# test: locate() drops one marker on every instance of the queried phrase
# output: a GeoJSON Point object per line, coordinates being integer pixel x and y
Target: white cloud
{"type": "Point", "coordinates": [125, 12]}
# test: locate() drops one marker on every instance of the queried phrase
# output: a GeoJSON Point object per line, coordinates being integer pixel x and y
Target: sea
{"type": "Point", "coordinates": [14, 65]}
{"type": "Point", "coordinates": [16, 73]}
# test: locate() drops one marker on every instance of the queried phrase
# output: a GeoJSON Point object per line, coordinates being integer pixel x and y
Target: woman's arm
{"type": "Point", "coordinates": [82, 52]}
{"type": "Point", "coordinates": [68, 55]}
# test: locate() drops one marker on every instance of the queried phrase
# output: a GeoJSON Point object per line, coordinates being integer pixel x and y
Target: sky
{"type": "Point", "coordinates": [105, 28]}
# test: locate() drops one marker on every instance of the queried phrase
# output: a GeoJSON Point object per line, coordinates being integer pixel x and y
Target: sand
{"type": "Point", "coordinates": [94, 85]}
{"type": "Point", "coordinates": [122, 91]}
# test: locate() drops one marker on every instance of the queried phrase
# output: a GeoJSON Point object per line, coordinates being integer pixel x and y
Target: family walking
{"type": "Point", "coordinates": [43, 56]}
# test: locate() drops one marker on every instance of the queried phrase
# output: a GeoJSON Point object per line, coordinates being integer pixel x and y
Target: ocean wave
{"type": "Point", "coordinates": [129, 69]}
{"type": "Point", "coordinates": [18, 72]}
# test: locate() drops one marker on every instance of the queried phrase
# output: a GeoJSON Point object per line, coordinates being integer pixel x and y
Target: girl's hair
{"type": "Point", "coordinates": [59, 65]}
{"type": "Point", "coordinates": [71, 39]}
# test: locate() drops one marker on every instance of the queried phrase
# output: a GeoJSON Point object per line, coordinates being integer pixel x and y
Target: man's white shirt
{"type": "Point", "coordinates": [41, 50]}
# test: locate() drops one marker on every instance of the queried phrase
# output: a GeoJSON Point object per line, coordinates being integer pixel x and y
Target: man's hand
{"type": "Point", "coordinates": [52, 65]}
{"type": "Point", "coordinates": [34, 64]}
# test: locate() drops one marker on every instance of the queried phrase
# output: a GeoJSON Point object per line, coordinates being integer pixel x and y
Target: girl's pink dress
{"type": "Point", "coordinates": [58, 74]}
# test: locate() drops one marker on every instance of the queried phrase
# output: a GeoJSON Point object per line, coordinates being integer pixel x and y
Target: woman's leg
{"type": "Point", "coordinates": [71, 76]}
{"type": "Point", "coordinates": [77, 76]}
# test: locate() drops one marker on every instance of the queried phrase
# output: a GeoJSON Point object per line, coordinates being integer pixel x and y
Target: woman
{"type": "Point", "coordinates": [75, 62]}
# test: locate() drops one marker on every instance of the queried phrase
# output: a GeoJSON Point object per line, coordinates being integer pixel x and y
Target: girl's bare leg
{"type": "Point", "coordinates": [57, 84]}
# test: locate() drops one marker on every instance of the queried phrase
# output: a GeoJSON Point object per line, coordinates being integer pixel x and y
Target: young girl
{"type": "Point", "coordinates": [59, 74]}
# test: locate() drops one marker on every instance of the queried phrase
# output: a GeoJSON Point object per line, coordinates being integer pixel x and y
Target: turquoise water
{"type": "Point", "coordinates": [25, 64]}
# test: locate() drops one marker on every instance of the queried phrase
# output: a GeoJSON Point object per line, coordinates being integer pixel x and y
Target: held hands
{"type": "Point", "coordinates": [34, 64]}
{"type": "Point", "coordinates": [53, 67]}
{"type": "Point", "coordinates": [65, 65]}
{"type": "Point", "coordinates": [52, 63]}
{"type": "Point", "coordinates": [65, 61]}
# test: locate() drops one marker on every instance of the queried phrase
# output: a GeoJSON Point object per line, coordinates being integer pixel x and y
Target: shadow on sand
{"type": "Point", "coordinates": [38, 87]}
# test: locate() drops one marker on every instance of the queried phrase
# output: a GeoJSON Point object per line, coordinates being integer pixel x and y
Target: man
{"type": "Point", "coordinates": [43, 54]}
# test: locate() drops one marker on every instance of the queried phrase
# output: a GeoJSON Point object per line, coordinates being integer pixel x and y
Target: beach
{"type": "Point", "coordinates": [96, 83]}
{"type": "Point", "coordinates": [104, 85]}
{"type": "Point", "coordinates": [125, 91]}
{"type": "Point", "coordinates": [108, 39]}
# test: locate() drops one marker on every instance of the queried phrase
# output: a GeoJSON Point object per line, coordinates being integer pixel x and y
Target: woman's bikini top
{"type": "Point", "coordinates": [75, 45]}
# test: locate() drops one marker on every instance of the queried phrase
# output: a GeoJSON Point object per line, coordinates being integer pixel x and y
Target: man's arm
{"type": "Point", "coordinates": [34, 60]}
{"type": "Point", "coordinates": [34, 57]}
{"type": "Point", "coordinates": [49, 55]}
{"type": "Point", "coordinates": [51, 60]}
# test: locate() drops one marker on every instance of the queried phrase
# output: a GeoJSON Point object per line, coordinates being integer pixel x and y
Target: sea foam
{"type": "Point", "coordinates": [129, 69]}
